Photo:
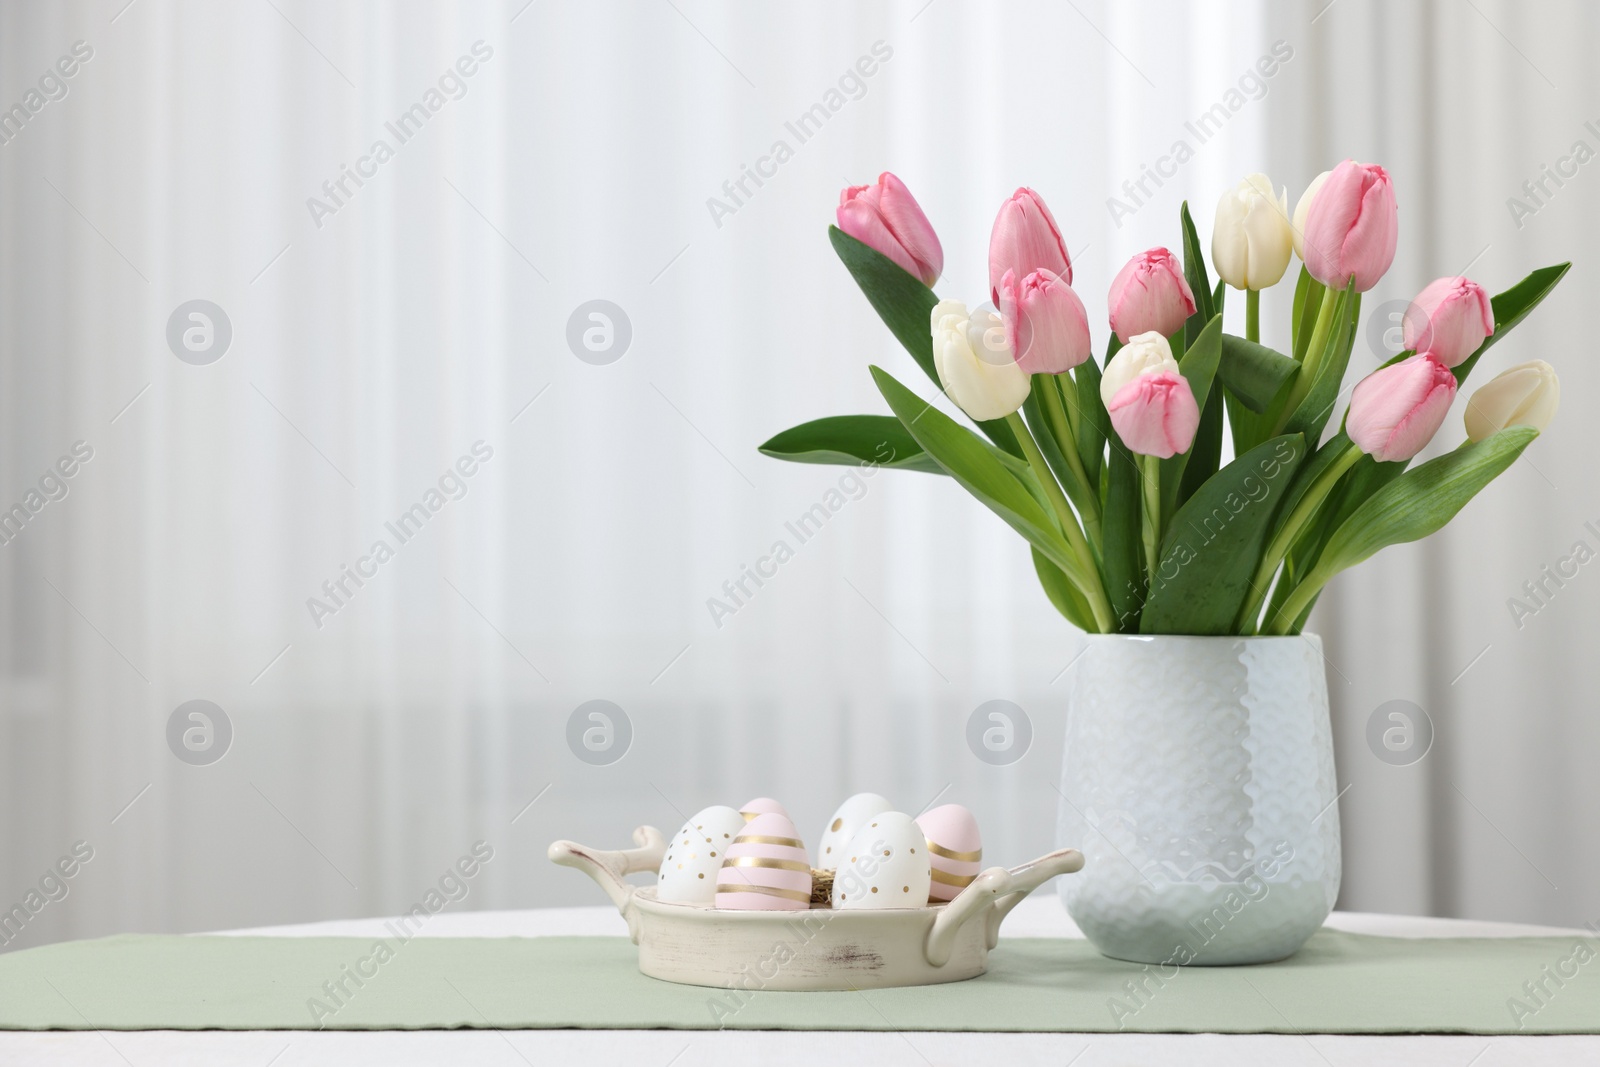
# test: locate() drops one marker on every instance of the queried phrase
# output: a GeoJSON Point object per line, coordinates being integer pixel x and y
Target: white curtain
{"type": "Point", "coordinates": [383, 332]}
{"type": "Point", "coordinates": [1466, 103]}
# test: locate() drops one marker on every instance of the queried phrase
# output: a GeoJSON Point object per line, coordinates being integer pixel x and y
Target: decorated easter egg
{"type": "Point", "coordinates": [844, 824]}
{"type": "Point", "coordinates": [885, 865]}
{"type": "Point", "coordinates": [694, 855]}
{"type": "Point", "coordinates": [762, 806]}
{"type": "Point", "coordinates": [956, 848]}
{"type": "Point", "coordinates": [765, 868]}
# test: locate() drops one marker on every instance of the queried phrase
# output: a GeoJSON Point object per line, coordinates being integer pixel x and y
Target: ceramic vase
{"type": "Point", "coordinates": [1198, 782]}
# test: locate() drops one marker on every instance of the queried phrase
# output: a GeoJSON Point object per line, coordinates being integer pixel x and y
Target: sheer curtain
{"type": "Point", "coordinates": [388, 710]}
{"type": "Point", "coordinates": [1468, 105]}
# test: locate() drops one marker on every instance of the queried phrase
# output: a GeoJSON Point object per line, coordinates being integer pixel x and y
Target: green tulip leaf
{"type": "Point", "coordinates": [1312, 414]}
{"type": "Point", "coordinates": [1511, 307]}
{"type": "Point", "coordinates": [852, 440]}
{"type": "Point", "coordinates": [1309, 471]}
{"type": "Point", "coordinates": [1044, 435]}
{"type": "Point", "coordinates": [1094, 425]}
{"type": "Point", "coordinates": [1062, 594]}
{"type": "Point", "coordinates": [1121, 550]}
{"type": "Point", "coordinates": [1248, 428]}
{"type": "Point", "coordinates": [1214, 542]}
{"type": "Point", "coordinates": [1420, 501]}
{"type": "Point", "coordinates": [1205, 455]}
{"type": "Point", "coordinates": [1199, 368]}
{"type": "Point", "coordinates": [1194, 272]}
{"type": "Point", "coordinates": [1255, 379]}
{"type": "Point", "coordinates": [906, 306]}
{"type": "Point", "coordinates": [973, 465]}
{"type": "Point", "coordinates": [1308, 297]}
{"type": "Point", "coordinates": [1254, 373]}
{"type": "Point", "coordinates": [1363, 479]}
{"type": "Point", "coordinates": [1121, 553]}
{"type": "Point", "coordinates": [901, 300]}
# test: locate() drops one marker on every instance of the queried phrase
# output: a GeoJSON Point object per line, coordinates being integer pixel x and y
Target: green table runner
{"type": "Point", "coordinates": [1339, 983]}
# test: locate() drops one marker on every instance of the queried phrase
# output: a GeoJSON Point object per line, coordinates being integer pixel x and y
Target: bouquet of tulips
{"type": "Point", "coordinates": [1113, 472]}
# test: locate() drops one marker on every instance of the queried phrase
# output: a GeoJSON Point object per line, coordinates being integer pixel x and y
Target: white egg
{"type": "Point", "coordinates": [885, 865]}
{"type": "Point", "coordinates": [844, 824]}
{"type": "Point", "coordinates": [694, 855]}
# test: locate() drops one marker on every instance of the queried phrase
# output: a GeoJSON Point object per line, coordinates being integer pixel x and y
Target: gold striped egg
{"type": "Point", "coordinates": [955, 848]}
{"type": "Point", "coordinates": [762, 806]}
{"type": "Point", "coordinates": [766, 868]}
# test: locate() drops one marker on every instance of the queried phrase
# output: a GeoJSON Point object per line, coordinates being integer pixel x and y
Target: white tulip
{"type": "Point", "coordinates": [1526, 395]}
{"type": "Point", "coordinates": [1145, 353]}
{"type": "Point", "coordinates": [1252, 239]}
{"type": "Point", "coordinates": [975, 364]}
{"type": "Point", "coordinates": [1302, 209]}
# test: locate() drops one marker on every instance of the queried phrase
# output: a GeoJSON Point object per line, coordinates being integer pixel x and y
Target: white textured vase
{"type": "Point", "coordinates": [1198, 782]}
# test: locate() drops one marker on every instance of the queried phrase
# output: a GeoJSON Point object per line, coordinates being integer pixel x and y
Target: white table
{"type": "Point", "coordinates": [1042, 917]}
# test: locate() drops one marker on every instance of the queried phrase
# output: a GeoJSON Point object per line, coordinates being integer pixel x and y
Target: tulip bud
{"type": "Point", "coordinates": [1146, 353]}
{"type": "Point", "coordinates": [888, 218]}
{"type": "Point", "coordinates": [1526, 395]}
{"type": "Point", "coordinates": [1302, 209]}
{"type": "Point", "coordinates": [1351, 227]}
{"type": "Point", "coordinates": [1448, 320]}
{"type": "Point", "coordinates": [1046, 325]}
{"type": "Point", "coordinates": [1396, 410]}
{"type": "Point", "coordinates": [974, 362]}
{"type": "Point", "coordinates": [1149, 294]}
{"type": "Point", "coordinates": [1156, 414]}
{"type": "Point", "coordinates": [1025, 239]}
{"type": "Point", "coordinates": [1251, 238]}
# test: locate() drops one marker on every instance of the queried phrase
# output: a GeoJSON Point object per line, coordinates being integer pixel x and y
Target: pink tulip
{"type": "Point", "coordinates": [1156, 415]}
{"type": "Point", "coordinates": [1150, 293]}
{"type": "Point", "coordinates": [1448, 320]}
{"type": "Point", "coordinates": [1047, 328]}
{"type": "Point", "coordinates": [1396, 410]}
{"type": "Point", "coordinates": [1351, 227]}
{"type": "Point", "coordinates": [1025, 238]}
{"type": "Point", "coordinates": [887, 217]}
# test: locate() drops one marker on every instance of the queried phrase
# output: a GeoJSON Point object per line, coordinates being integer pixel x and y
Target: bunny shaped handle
{"type": "Point", "coordinates": [609, 867]}
{"type": "Point", "coordinates": [991, 896]}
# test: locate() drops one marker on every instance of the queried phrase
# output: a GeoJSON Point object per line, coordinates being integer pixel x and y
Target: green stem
{"type": "Point", "coordinates": [1298, 601]}
{"type": "Point", "coordinates": [1068, 388]}
{"type": "Point", "coordinates": [1150, 526]}
{"type": "Point", "coordinates": [1331, 302]}
{"type": "Point", "coordinates": [1088, 580]}
{"type": "Point", "coordinates": [1073, 408]}
{"type": "Point", "coordinates": [1252, 315]}
{"type": "Point", "coordinates": [1086, 498]}
{"type": "Point", "coordinates": [1304, 511]}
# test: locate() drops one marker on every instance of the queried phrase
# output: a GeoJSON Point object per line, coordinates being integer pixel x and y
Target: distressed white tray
{"type": "Point", "coordinates": [815, 949]}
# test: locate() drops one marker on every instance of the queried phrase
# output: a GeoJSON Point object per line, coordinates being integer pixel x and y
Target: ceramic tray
{"type": "Point", "coordinates": [813, 949]}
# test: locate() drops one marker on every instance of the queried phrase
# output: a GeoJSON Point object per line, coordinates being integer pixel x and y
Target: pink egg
{"type": "Point", "coordinates": [766, 868]}
{"type": "Point", "coordinates": [762, 806]}
{"type": "Point", "coordinates": [955, 848]}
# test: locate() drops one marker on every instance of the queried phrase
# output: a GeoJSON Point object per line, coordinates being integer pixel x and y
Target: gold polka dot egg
{"type": "Point", "coordinates": [694, 855]}
{"type": "Point", "coordinates": [885, 865]}
{"type": "Point", "coordinates": [765, 868]}
{"type": "Point", "coordinates": [846, 821]}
